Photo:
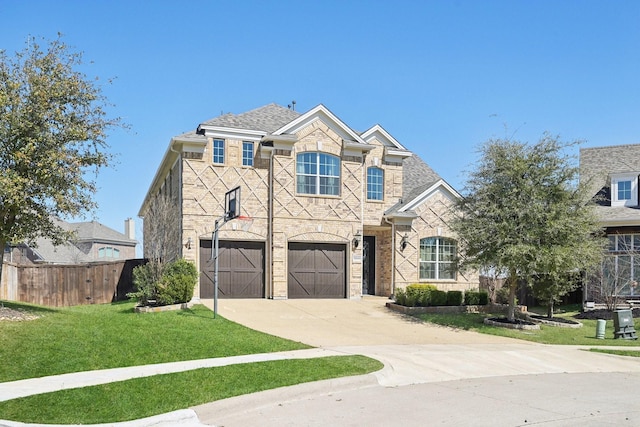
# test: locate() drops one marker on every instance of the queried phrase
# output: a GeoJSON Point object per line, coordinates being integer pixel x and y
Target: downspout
{"type": "Point", "coordinates": [393, 254]}
{"type": "Point", "coordinates": [269, 245]}
{"type": "Point", "coordinates": [181, 224]}
{"type": "Point", "coordinates": [362, 202]}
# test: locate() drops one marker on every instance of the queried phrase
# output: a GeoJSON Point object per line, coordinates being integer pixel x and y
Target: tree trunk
{"type": "Point", "coordinates": [2, 245]}
{"type": "Point", "coordinates": [550, 309]}
{"type": "Point", "coordinates": [513, 284]}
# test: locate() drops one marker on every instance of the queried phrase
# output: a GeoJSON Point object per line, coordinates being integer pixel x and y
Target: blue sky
{"type": "Point", "coordinates": [440, 76]}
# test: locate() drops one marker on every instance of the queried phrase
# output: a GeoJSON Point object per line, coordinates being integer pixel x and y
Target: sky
{"type": "Point", "coordinates": [441, 77]}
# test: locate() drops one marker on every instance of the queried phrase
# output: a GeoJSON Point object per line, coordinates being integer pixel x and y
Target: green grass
{"type": "Point", "coordinates": [144, 397]}
{"type": "Point", "coordinates": [546, 335]}
{"type": "Point", "coordinates": [631, 353]}
{"type": "Point", "coordinates": [90, 337]}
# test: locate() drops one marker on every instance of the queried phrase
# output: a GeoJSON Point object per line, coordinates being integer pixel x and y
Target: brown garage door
{"type": "Point", "coordinates": [317, 270]}
{"type": "Point", "coordinates": [240, 269]}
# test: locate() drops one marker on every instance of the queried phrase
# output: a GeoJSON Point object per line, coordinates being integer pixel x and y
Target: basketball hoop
{"type": "Point", "coordinates": [245, 222]}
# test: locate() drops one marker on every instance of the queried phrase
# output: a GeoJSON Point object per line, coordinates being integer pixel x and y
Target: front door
{"type": "Point", "coordinates": [368, 265]}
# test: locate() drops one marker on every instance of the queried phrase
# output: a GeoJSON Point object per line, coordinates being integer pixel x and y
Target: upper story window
{"type": "Point", "coordinates": [108, 252]}
{"type": "Point", "coordinates": [437, 258]}
{"type": "Point", "coordinates": [375, 183]}
{"type": "Point", "coordinates": [318, 173]}
{"type": "Point", "coordinates": [247, 153]}
{"type": "Point", "coordinates": [624, 190]}
{"type": "Point", "coordinates": [218, 151]}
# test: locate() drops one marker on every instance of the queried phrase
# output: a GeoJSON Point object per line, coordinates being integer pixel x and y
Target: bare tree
{"type": "Point", "coordinates": [616, 279]}
{"type": "Point", "coordinates": [161, 233]}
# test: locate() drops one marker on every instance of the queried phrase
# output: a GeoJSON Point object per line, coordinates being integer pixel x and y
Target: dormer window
{"type": "Point", "coordinates": [624, 189]}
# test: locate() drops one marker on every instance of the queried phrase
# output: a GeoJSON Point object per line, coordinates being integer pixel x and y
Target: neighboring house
{"type": "Point", "coordinates": [93, 242]}
{"type": "Point", "coordinates": [612, 174]}
{"type": "Point", "coordinates": [334, 213]}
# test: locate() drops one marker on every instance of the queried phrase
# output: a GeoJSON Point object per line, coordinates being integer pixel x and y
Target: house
{"type": "Point", "coordinates": [329, 212]}
{"type": "Point", "coordinates": [611, 174]}
{"type": "Point", "coordinates": [93, 242]}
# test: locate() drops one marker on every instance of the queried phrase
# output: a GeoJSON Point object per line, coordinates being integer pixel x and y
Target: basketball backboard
{"type": "Point", "coordinates": [232, 204]}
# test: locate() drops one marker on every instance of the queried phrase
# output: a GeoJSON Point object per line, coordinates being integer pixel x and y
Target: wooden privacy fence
{"type": "Point", "coordinates": [67, 285]}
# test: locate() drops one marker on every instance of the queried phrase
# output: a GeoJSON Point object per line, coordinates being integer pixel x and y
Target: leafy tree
{"type": "Point", "coordinates": [550, 291]}
{"type": "Point", "coordinates": [524, 214]}
{"type": "Point", "coordinates": [53, 125]}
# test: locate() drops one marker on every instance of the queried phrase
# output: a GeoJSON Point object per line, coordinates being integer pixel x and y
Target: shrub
{"type": "Point", "coordinates": [454, 298]}
{"type": "Point", "coordinates": [420, 293]}
{"type": "Point", "coordinates": [483, 297]}
{"type": "Point", "coordinates": [172, 284]}
{"type": "Point", "coordinates": [476, 298]}
{"type": "Point", "coordinates": [178, 282]}
{"type": "Point", "coordinates": [400, 297]}
{"type": "Point", "coordinates": [438, 297]}
{"type": "Point", "coordinates": [471, 297]}
{"type": "Point", "coordinates": [145, 278]}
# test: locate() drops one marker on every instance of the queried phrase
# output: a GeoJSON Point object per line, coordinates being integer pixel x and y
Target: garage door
{"type": "Point", "coordinates": [317, 270]}
{"type": "Point", "coordinates": [240, 269]}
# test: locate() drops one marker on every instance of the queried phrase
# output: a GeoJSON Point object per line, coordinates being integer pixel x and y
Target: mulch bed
{"type": "Point", "coordinates": [553, 319]}
{"type": "Point", "coordinates": [602, 314]}
{"type": "Point", "coordinates": [514, 322]}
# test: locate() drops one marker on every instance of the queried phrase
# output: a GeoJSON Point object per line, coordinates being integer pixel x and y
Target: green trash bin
{"type": "Point", "coordinates": [623, 325]}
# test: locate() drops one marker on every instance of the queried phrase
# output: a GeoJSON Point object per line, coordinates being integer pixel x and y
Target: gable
{"type": "Point", "coordinates": [351, 140]}
{"type": "Point", "coordinates": [424, 194]}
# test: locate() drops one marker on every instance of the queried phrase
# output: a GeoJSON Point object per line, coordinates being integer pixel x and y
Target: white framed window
{"type": "Point", "coordinates": [108, 252]}
{"type": "Point", "coordinates": [317, 173]}
{"type": "Point", "coordinates": [375, 183]}
{"type": "Point", "coordinates": [437, 258]}
{"type": "Point", "coordinates": [624, 190]}
{"type": "Point", "coordinates": [218, 151]}
{"type": "Point", "coordinates": [247, 153]}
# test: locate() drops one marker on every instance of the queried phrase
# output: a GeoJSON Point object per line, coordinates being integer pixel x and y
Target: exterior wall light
{"type": "Point", "coordinates": [404, 242]}
{"type": "Point", "coordinates": [188, 244]}
{"type": "Point", "coordinates": [356, 239]}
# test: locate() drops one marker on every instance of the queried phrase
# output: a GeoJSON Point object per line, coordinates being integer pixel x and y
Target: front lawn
{"type": "Point", "coordinates": [93, 337]}
{"type": "Point", "coordinates": [90, 337]}
{"type": "Point", "coordinates": [144, 397]}
{"type": "Point", "coordinates": [546, 335]}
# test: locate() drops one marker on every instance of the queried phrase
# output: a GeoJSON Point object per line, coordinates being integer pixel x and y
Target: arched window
{"type": "Point", "coordinates": [318, 173]}
{"type": "Point", "coordinates": [437, 257]}
{"type": "Point", "coordinates": [375, 183]}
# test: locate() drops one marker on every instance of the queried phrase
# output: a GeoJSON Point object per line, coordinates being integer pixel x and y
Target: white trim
{"type": "Point", "coordinates": [321, 112]}
{"type": "Point", "coordinates": [616, 178]}
{"type": "Point", "coordinates": [371, 134]}
{"type": "Point", "coordinates": [428, 193]}
{"type": "Point", "coordinates": [231, 133]}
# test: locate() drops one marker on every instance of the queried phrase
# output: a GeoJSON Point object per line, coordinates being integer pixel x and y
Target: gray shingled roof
{"type": "Point", "coordinates": [596, 166]}
{"type": "Point", "coordinates": [96, 231]}
{"type": "Point", "coordinates": [85, 231]}
{"type": "Point", "coordinates": [417, 177]}
{"type": "Point", "coordinates": [267, 119]}
{"type": "Point", "coordinates": [619, 214]}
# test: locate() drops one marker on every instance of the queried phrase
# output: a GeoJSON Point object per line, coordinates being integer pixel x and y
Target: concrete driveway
{"type": "Point", "coordinates": [340, 322]}
{"type": "Point", "coordinates": [433, 375]}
